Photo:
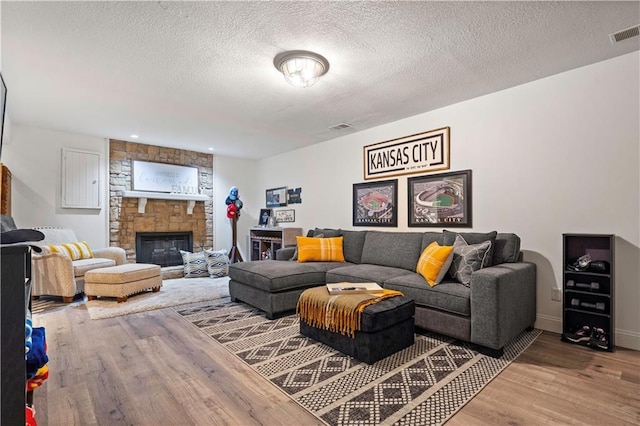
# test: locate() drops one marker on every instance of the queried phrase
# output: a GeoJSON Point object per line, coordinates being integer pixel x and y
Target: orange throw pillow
{"type": "Point", "coordinates": [312, 249]}
{"type": "Point", "coordinates": [434, 262]}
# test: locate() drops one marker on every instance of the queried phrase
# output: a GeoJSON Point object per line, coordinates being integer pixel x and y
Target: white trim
{"type": "Point", "coordinates": [628, 339]}
{"type": "Point", "coordinates": [142, 197]}
{"type": "Point", "coordinates": [549, 323]}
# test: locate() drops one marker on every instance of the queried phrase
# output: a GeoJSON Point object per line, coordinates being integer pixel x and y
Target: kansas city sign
{"type": "Point", "coordinates": [419, 153]}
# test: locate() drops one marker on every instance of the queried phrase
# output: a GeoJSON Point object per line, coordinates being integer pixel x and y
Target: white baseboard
{"type": "Point", "coordinates": [624, 338]}
{"type": "Point", "coordinates": [549, 323]}
{"type": "Point", "coordinates": [628, 339]}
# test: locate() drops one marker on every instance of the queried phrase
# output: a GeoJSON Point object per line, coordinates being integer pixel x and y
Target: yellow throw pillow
{"type": "Point", "coordinates": [312, 249]}
{"type": "Point", "coordinates": [434, 262]}
{"type": "Point", "coordinates": [76, 251]}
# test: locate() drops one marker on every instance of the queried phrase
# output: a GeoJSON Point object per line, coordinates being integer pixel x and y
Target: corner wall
{"type": "Point", "coordinates": [242, 174]}
{"type": "Point", "coordinates": [34, 157]}
{"type": "Point", "coordinates": [557, 155]}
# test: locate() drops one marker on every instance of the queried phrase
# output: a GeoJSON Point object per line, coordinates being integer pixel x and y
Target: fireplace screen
{"type": "Point", "coordinates": [162, 248]}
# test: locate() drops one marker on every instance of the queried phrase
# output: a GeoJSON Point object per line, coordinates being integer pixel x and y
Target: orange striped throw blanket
{"type": "Point", "coordinates": [338, 313]}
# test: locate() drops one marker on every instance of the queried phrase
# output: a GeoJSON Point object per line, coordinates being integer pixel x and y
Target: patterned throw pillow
{"type": "Point", "coordinates": [195, 264]}
{"type": "Point", "coordinates": [312, 249]}
{"type": "Point", "coordinates": [473, 238]}
{"type": "Point", "coordinates": [76, 251]}
{"type": "Point", "coordinates": [434, 262]}
{"type": "Point", "coordinates": [467, 258]}
{"type": "Point", "coordinates": [217, 263]}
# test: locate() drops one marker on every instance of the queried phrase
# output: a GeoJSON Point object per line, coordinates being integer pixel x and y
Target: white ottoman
{"type": "Point", "coordinates": [122, 281]}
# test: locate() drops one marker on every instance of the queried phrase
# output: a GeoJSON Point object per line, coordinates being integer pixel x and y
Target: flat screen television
{"type": "Point", "coordinates": [3, 104]}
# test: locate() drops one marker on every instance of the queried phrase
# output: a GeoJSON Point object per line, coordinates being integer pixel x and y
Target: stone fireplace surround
{"type": "Point", "coordinates": [160, 215]}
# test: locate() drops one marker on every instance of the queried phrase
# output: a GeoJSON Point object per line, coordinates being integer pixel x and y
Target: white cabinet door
{"type": "Point", "coordinates": [80, 179]}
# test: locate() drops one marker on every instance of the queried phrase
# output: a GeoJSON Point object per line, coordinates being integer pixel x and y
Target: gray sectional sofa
{"type": "Point", "coordinates": [499, 303]}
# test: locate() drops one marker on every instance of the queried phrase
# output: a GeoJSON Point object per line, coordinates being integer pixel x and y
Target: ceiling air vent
{"type": "Point", "coordinates": [341, 126]}
{"type": "Point", "coordinates": [624, 34]}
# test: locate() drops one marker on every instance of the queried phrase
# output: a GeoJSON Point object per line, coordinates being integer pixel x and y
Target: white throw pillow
{"type": "Point", "coordinates": [217, 263]}
{"type": "Point", "coordinates": [195, 264]}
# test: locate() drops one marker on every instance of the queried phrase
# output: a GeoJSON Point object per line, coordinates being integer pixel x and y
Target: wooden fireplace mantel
{"type": "Point", "coordinates": [143, 196]}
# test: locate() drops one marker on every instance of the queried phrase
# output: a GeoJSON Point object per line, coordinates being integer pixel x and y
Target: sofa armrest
{"type": "Point", "coordinates": [285, 253]}
{"type": "Point", "coordinates": [503, 303]}
{"type": "Point", "coordinates": [52, 273]}
{"type": "Point", "coordinates": [115, 253]}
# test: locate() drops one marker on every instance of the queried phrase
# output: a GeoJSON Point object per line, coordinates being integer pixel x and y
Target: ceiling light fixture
{"type": "Point", "coordinates": [134, 136]}
{"type": "Point", "coordinates": [301, 68]}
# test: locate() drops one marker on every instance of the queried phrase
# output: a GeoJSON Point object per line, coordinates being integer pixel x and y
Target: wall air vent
{"type": "Point", "coordinates": [624, 34]}
{"type": "Point", "coordinates": [341, 126]}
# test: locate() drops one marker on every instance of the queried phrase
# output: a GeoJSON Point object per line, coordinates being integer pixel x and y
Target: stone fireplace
{"type": "Point", "coordinates": [129, 216]}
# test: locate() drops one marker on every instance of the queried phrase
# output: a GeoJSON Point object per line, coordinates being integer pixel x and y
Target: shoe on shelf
{"type": "Point", "coordinates": [582, 335]}
{"type": "Point", "coordinates": [580, 264]}
{"type": "Point", "coordinates": [599, 339]}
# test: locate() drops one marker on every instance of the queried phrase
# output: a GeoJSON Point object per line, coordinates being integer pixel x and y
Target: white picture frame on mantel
{"type": "Point", "coordinates": [163, 177]}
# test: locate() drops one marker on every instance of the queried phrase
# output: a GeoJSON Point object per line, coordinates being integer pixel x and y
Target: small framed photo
{"type": "Point", "coordinates": [440, 200]}
{"type": "Point", "coordinates": [375, 203]}
{"type": "Point", "coordinates": [294, 196]}
{"type": "Point", "coordinates": [287, 215]}
{"type": "Point", "coordinates": [265, 214]}
{"type": "Point", "coordinates": [277, 197]}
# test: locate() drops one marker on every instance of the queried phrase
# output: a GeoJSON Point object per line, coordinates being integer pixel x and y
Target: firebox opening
{"type": "Point", "coordinates": [162, 248]}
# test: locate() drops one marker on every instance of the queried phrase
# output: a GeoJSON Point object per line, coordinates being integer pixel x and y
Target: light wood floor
{"type": "Point", "coordinates": [155, 369]}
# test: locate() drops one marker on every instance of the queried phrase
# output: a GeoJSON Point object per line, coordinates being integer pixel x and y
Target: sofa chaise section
{"type": "Point", "coordinates": [275, 286]}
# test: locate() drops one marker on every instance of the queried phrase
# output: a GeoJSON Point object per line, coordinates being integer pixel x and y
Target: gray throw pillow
{"type": "Point", "coordinates": [449, 238]}
{"type": "Point", "coordinates": [467, 258]}
{"type": "Point", "coordinates": [327, 233]}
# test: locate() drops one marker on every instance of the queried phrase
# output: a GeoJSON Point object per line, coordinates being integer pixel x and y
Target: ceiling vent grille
{"type": "Point", "coordinates": [341, 126]}
{"type": "Point", "coordinates": [624, 34]}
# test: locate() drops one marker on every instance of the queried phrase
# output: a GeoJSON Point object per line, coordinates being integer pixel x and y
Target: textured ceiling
{"type": "Point", "coordinates": [196, 75]}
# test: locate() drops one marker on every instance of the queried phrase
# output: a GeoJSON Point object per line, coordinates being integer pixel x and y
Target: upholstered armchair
{"type": "Point", "coordinates": [55, 273]}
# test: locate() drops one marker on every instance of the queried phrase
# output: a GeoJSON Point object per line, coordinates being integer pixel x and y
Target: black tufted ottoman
{"type": "Point", "coordinates": [387, 327]}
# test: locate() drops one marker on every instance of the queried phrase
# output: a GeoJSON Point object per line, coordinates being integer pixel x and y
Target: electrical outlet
{"type": "Point", "coordinates": [556, 294]}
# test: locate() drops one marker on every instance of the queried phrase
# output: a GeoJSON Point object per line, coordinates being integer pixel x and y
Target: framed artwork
{"type": "Point", "coordinates": [420, 153]}
{"type": "Point", "coordinates": [294, 196]}
{"type": "Point", "coordinates": [263, 219]}
{"type": "Point", "coordinates": [375, 203]}
{"type": "Point", "coordinates": [287, 215]}
{"type": "Point", "coordinates": [277, 197]}
{"type": "Point", "coordinates": [440, 200]}
{"type": "Point", "coordinates": [163, 177]}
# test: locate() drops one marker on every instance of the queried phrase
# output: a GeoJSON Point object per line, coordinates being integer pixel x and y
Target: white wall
{"type": "Point", "coordinates": [558, 155]}
{"type": "Point", "coordinates": [228, 172]}
{"type": "Point", "coordinates": [34, 157]}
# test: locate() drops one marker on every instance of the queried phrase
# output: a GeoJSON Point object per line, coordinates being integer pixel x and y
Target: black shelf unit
{"type": "Point", "coordinates": [588, 296]}
{"type": "Point", "coordinates": [15, 299]}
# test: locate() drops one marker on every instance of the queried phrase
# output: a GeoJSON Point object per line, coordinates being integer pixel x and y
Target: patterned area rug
{"type": "Point", "coordinates": [179, 291]}
{"type": "Point", "coordinates": [424, 384]}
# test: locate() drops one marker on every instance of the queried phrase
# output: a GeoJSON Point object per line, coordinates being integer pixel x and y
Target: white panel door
{"type": "Point", "coordinates": [80, 179]}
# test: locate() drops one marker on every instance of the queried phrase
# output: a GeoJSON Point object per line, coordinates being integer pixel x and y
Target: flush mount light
{"type": "Point", "coordinates": [301, 68]}
{"type": "Point", "coordinates": [134, 136]}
